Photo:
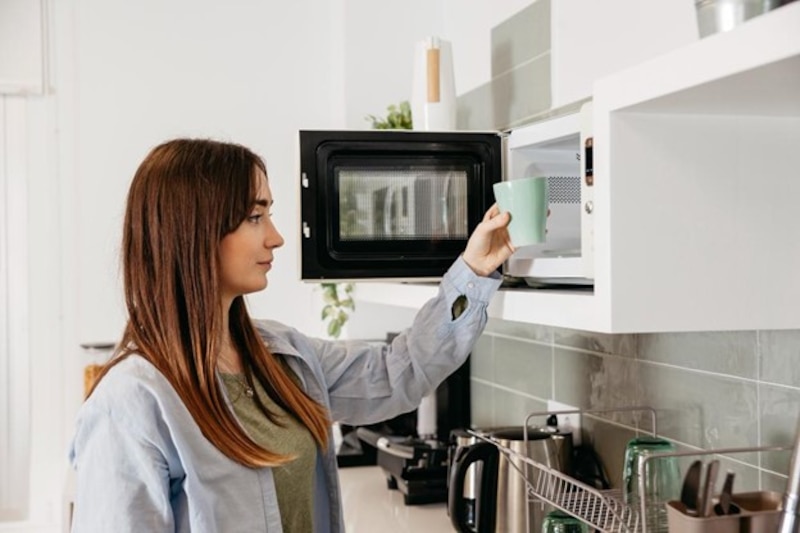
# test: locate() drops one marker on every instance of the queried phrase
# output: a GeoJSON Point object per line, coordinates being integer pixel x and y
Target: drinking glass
{"type": "Point", "coordinates": [561, 522]}
{"type": "Point", "coordinates": [662, 481]}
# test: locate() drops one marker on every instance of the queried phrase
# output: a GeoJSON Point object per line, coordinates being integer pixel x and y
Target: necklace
{"type": "Point", "coordinates": [240, 381]}
{"type": "Point", "coordinates": [248, 390]}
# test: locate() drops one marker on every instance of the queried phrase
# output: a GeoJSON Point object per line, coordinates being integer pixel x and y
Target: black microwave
{"type": "Point", "coordinates": [398, 204]}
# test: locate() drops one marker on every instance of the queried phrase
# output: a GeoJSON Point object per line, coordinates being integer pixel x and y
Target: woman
{"type": "Point", "coordinates": [208, 421]}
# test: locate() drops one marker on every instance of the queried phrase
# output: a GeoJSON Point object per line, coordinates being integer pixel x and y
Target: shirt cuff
{"type": "Point", "coordinates": [460, 279]}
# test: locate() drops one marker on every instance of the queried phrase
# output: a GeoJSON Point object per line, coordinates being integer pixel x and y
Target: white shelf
{"type": "Point", "coordinates": [695, 195]}
{"type": "Point", "coordinates": [752, 70]}
{"type": "Point", "coordinates": [696, 184]}
{"type": "Point", "coordinates": [547, 307]}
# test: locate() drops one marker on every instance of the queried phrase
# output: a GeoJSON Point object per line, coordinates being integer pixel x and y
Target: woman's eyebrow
{"type": "Point", "coordinates": [264, 203]}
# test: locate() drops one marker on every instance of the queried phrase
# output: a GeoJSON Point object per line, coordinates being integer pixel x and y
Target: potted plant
{"type": "Point", "coordinates": [398, 117]}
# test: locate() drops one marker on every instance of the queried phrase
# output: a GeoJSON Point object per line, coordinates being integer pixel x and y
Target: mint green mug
{"type": "Point", "coordinates": [526, 199]}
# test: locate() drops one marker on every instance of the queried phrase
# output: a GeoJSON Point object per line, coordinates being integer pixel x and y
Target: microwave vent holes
{"type": "Point", "coordinates": [564, 189]}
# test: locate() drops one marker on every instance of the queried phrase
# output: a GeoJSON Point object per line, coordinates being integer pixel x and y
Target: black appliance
{"type": "Point", "coordinates": [418, 466]}
{"type": "Point", "coordinates": [392, 204]}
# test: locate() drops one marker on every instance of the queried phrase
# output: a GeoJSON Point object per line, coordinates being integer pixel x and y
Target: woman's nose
{"type": "Point", "coordinates": [274, 239]}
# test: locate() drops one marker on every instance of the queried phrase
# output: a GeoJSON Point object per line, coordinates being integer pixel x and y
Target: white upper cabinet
{"type": "Point", "coordinates": [695, 196]}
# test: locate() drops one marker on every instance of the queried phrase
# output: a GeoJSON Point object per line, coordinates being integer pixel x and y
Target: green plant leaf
{"type": "Point", "coordinates": [334, 329]}
{"type": "Point", "coordinates": [330, 298]}
{"type": "Point", "coordinates": [398, 117]}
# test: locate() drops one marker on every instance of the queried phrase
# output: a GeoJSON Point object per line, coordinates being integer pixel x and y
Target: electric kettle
{"type": "Point", "coordinates": [500, 493]}
{"type": "Point", "coordinates": [460, 441]}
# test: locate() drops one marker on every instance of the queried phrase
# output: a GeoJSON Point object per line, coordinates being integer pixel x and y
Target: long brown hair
{"type": "Point", "coordinates": [185, 197]}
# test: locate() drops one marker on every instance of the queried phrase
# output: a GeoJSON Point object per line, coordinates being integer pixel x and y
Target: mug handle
{"type": "Point", "coordinates": [486, 502]}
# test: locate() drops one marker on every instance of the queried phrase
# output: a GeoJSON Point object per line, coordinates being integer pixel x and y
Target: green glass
{"type": "Point", "coordinates": [561, 522]}
{"type": "Point", "coordinates": [662, 481]}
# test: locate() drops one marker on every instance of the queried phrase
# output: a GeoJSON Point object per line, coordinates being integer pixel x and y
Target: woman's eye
{"type": "Point", "coordinates": [254, 218]}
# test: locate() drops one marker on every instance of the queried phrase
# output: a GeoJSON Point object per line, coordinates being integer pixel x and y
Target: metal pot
{"type": "Point", "coordinates": [500, 493]}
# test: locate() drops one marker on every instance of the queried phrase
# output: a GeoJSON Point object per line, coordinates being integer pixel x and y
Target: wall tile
{"type": "Point", "coordinates": [522, 92]}
{"type": "Point", "coordinates": [482, 363]}
{"type": "Point", "coordinates": [773, 482]}
{"type": "Point", "coordinates": [521, 38]}
{"type": "Point", "coordinates": [699, 409]}
{"type": "Point", "coordinates": [593, 381]}
{"type": "Point", "coordinates": [515, 97]}
{"type": "Point", "coordinates": [482, 404]}
{"type": "Point", "coordinates": [524, 366]}
{"type": "Point", "coordinates": [731, 352]}
{"type": "Point", "coordinates": [520, 330]}
{"type": "Point", "coordinates": [780, 353]}
{"type": "Point", "coordinates": [748, 477]}
{"type": "Point", "coordinates": [510, 408]}
{"type": "Point", "coordinates": [475, 109]}
{"type": "Point", "coordinates": [626, 345]}
{"type": "Point", "coordinates": [778, 413]}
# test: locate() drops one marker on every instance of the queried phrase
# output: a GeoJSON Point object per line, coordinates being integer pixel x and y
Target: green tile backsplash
{"type": "Point", "coordinates": [710, 390]}
{"type": "Point", "coordinates": [780, 353]}
{"type": "Point", "coordinates": [521, 38]}
{"type": "Point", "coordinates": [731, 353]}
{"type": "Point", "coordinates": [519, 89]}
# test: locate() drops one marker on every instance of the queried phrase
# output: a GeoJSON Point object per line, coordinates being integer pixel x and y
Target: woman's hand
{"type": "Point", "coordinates": [489, 245]}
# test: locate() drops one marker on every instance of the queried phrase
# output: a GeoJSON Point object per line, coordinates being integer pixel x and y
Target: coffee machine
{"type": "Point", "coordinates": [415, 459]}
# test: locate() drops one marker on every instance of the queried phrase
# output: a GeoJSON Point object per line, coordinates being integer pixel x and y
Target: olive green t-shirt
{"type": "Point", "coordinates": [294, 481]}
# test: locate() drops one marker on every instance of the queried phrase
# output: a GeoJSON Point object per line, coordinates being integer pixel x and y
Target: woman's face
{"type": "Point", "coordinates": [246, 253]}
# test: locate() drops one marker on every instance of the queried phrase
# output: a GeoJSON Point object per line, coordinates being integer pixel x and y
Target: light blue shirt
{"type": "Point", "coordinates": [142, 464]}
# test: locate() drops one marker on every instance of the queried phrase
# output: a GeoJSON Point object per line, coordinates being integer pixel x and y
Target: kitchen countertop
{"type": "Point", "coordinates": [369, 506]}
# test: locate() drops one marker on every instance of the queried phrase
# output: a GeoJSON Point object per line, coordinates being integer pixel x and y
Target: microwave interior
{"type": "Point", "coordinates": [391, 204]}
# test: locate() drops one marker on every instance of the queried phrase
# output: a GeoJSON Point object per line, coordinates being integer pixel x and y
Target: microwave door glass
{"type": "Point", "coordinates": [404, 204]}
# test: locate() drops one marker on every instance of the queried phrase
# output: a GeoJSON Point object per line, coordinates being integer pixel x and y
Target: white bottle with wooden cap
{"type": "Point", "coordinates": [433, 97]}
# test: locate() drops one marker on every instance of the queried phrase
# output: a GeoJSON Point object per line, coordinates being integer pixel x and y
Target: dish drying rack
{"type": "Point", "coordinates": [603, 510]}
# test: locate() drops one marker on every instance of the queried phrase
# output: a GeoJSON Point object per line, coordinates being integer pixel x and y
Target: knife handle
{"type": "Point", "coordinates": [712, 471]}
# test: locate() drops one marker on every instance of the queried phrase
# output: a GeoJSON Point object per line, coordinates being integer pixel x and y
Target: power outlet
{"type": "Point", "coordinates": [567, 421]}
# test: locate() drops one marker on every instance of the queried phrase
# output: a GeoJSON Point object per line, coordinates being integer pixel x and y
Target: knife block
{"type": "Point", "coordinates": [760, 513]}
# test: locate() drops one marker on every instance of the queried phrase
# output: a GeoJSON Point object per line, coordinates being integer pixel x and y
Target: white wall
{"type": "Point", "coordinates": [147, 71]}
{"type": "Point", "coordinates": [128, 75]}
